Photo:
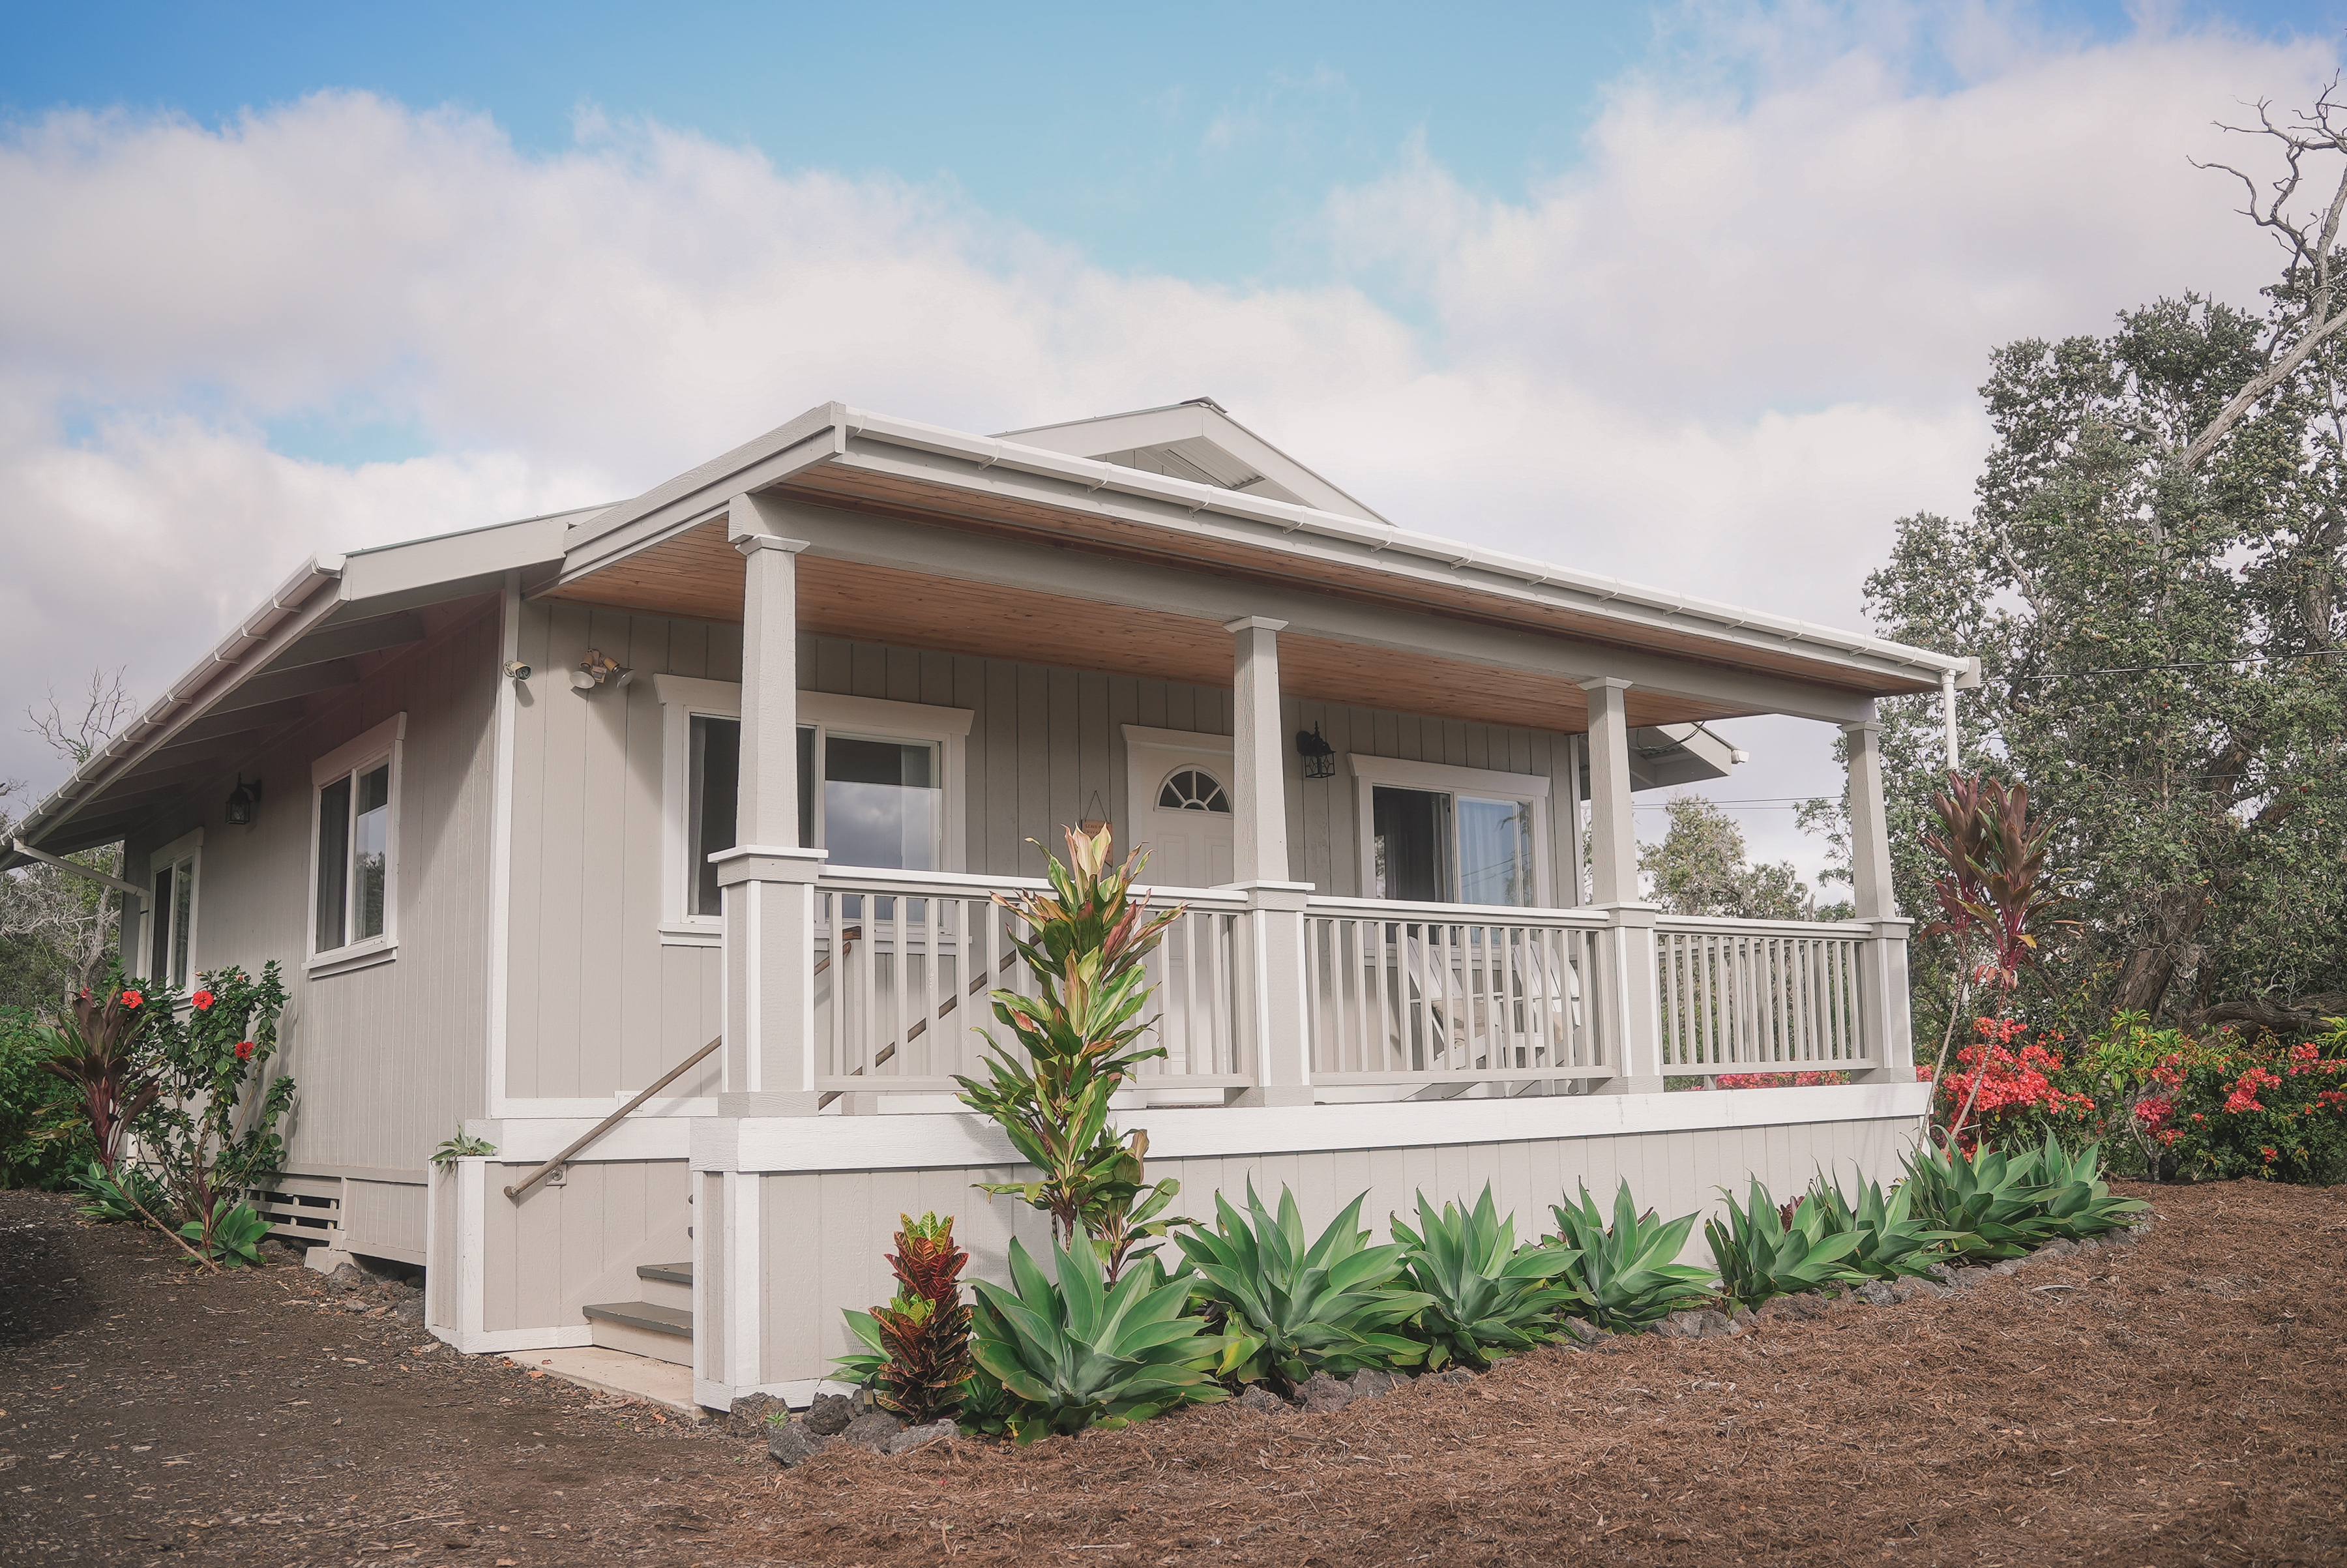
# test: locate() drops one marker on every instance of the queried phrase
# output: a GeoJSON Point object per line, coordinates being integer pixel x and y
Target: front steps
{"type": "Point", "coordinates": [660, 1326]}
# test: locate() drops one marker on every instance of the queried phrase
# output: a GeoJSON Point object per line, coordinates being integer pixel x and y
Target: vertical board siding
{"type": "Point", "coordinates": [562, 1248]}
{"type": "Point", "coordinates": [827, 1231]}
{"type": "Point", "coordinates": [387, 1060]}
{"type": "Point", "coordinates": [599, 1006]}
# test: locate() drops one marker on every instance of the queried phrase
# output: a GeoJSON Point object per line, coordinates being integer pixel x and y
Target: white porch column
{"type": "Point", "coordinates": [767, 880]}
{"type": "Point", "coordinates": [1276, 1015]}
{"type": "Point", "coordinates": [1632, 1002]}
{"type": "Point", "coordinates": [1883, 965]}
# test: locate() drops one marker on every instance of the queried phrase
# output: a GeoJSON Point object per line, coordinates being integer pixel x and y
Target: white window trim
{"type": "Point", "coordinates": [1190, 747]}
{"type": "Point", "coordinates": [1489, 783]}
{"type": "Point", "coordinates": [189, 847]}
{"type": "Point", "coordinates": [683, 696]}
{"type": "Point", "coordinates": [386, 741]}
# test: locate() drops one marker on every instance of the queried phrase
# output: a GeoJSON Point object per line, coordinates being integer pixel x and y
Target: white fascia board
{"type": "Point", "coordinates": [427, 563]}
{"type": "Point", "coordinates": [962, 1140]}
{"type": "Point", "coordinates": [689, 498]}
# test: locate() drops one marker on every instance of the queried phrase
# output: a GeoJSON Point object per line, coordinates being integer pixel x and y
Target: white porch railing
{"type": "Point", "coordinates": [1760, 996]}
{"type": "Point", "coordinates": [912, 955]}
{"type": "Point", "coordinates": [1453, 994]}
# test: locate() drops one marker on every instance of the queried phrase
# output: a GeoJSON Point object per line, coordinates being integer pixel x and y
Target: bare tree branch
{"type": "Point", "coordinates": [104, 708]}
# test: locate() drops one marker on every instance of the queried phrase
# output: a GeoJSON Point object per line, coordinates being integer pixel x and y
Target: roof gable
{"type": "Point", "coordinates": [1196, 441]}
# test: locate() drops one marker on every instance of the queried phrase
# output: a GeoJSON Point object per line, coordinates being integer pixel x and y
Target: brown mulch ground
{"type": "Point", "coordinates": [2177, 1402]}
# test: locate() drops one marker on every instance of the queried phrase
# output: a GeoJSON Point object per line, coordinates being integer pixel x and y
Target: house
{"type": "Point", "coordinates": [538, 812]}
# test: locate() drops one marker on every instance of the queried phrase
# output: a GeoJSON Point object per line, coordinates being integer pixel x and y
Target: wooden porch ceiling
{"type": "Point", "coordinates": [698, 574]}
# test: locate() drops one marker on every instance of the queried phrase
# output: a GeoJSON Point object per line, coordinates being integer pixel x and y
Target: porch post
{"type": "Point", "coordinates": [1889, 1029]}
{"type": "Point", "coordinates": [767, 880]}
{"type": "Point", "coordinates": [1633, 1003]}
{"type": "Point", "coordinates": [1275, 922]}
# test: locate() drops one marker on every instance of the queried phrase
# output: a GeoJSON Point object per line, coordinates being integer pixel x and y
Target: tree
{"type": "Point", "coordinates": [2152, 578]}
{"type": "Point", "coordinates": [57, 929]}
{"type": "Point", "coordinates": [1699, 868]}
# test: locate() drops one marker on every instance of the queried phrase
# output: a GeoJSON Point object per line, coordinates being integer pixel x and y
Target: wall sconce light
{"type": "Point", "coordinates": [594, 669]}
{"type": "Point", "coordinates": [241, 802]}
{"type": "Point", "coordinates": [1319, 756]}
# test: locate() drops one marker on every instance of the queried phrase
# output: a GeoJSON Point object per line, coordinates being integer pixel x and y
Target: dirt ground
{"type": "Point", "coordinates": [2177, 1402]}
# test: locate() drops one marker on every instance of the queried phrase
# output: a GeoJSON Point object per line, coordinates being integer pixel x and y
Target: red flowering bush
{"type": "Point", "coordinates": [2223, 1107]}
{"type": "Point", "coordinates": [2016, 1096]}
{"type": "Point", "coordinates": [1779, 1079]}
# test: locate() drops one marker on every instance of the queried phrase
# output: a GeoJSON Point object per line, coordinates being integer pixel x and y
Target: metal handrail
{"type": "Point", "coordinates": [847, 938]}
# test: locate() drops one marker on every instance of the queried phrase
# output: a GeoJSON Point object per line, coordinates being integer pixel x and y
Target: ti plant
{"type": "Point", "coordinates": [1079, 1035]}
{"type": "Point", "coordinates": [917, 1362]}
{"type": "Point", "coordinates": [1628, 1272]}
{"type": "Point", "coordinates": [1084, 1352]}
{"type": "Point", "coordinates": [1485, 1296]}
{"type": "Point", "coordinates": [90, 1046]}
{"type": "Point", "coordinates": [1762, 1253]}
{"type": "Point", "coordinates": [1324, 1306]}
{"type": "Point", "coordinates": [1891, 1244]}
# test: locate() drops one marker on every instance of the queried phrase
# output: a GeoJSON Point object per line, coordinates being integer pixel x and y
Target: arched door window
{"type": "Point", "coordinates": [1193, 789]}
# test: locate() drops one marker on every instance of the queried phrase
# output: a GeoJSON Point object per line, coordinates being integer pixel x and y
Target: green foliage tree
{"type": "Point", "coordinates": [1700, 868]}
{"type": "Point", "coordinates": [2152, 579]}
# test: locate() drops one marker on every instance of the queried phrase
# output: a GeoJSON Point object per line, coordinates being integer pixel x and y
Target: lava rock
{"type": "Point", "coordinates": [1369, 1383]}
{"type": "Point", "coordinates": [1262, 1399]}
{"type": "Point", "coordinates": [793, 1444]}
{"type": "Point", "coordinates": [1454, 1374]}
{"type": "Point", "coordinates": [410, 1310]}
{"type": "Point", "coordinates": [753, 1415]}
{"type": "Point", "coordinates": [1965, 1278]}
{"type": "Point", "coordinates": [1586, 1333]}
{"type": "Point", "coordinates": [912, 1438]}
{"type": "Point", "coordinates": [1917, 1289]}
{"type": "Point", "coordinates": [1878, 1293]}
{"type": "Point", "coordinates": [1791, 1309]}
{"type": "Point", "coordinates": [1742, 1317]}
{"type": "Point", "coordinates": [2007, 1265]}
{"type": "Point", "coordinates": [346, 1276]}
{"type": "Point", "coordinates": [829, 1414]}
{"type": "Point", "coordinates": [873, 1429]}
{"type": "Point", "coordinates": [2065, 1247]}
{"type": "Point", "coordinates": [1320, 1393]}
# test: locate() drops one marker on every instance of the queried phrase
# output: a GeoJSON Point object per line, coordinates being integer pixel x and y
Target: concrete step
{"type": "Point", "coordinates": [667, 1284]}
{"type": "Point", "coordinates": [642, 1328]}
{"type": "Point", "coordinates": [668, 1384]}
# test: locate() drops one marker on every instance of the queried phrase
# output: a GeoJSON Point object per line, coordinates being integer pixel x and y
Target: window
{"type": "Point", "coordinates": [887, 776]}
{"type": "Point", "coordinates": [1193, 789]}
{"type": "Point", "coordinates": [1432, 833]}
{"type": "Point", "coordinates": [171, 926]}
{"type": "Point", "coordinates": [355, 883]}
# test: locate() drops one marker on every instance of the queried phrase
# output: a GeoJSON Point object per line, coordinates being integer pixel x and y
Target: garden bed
{"type": "Point", "coordinates": [2164, 1402]}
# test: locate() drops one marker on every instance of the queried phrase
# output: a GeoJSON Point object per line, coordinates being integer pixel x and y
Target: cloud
{"type": "Point", "coordinates": [1719, 353]}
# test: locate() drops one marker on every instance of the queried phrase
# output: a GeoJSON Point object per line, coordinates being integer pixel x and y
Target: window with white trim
{"type": "Point", "coordinates": [172, 924]}
{"type": "Point", "coordinates": [888, 777]}
{"type": "Point", "coordinates": [354, 845]}
{"type": "Point", "coordinates": [1435, 833]}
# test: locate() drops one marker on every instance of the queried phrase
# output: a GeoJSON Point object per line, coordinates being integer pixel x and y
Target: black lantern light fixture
{"type": "Point", "coordinates": [1320, 757]}
{"type": "Point", "coordinates": [241, 802]}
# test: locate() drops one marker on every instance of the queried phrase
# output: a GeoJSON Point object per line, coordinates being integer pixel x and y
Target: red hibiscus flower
{"type": "Point", "coordinates": [201, 1001]}
{"type": "Point", "coordinates": [244, 1050]}
{"type": "Point", "coordinates": [132, 999]}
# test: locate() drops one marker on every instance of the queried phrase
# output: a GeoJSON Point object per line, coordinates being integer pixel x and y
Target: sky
{"type": "Point", "coordinates": [1697, 295]}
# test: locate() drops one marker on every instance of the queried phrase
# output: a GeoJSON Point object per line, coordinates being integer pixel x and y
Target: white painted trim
{"type": "Point", "coordinates": [387, 740]}
{"type": "Point", "coordinates": [1199, 741]}
{"type": "Point", "coordinates": [501, 826]}
{"type": "Point", "coordinates": [647, 1135]}
{"type": "Point", "coordinates": [952, 1140]}
{"type": "Point", "coordinates": [683, 696]}
{"type": "Point", "coordinates": [188, 847]}
{"type": "Point", "coordinates": [505, 1341]}
{"type": "Point", "coordinates": [363, 955]}
{"type": "Point", "coordinates": [1404, 773]}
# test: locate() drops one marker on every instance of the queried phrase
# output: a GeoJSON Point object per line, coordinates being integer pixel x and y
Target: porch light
{"type": "Point", "coordinates": [241, 801]}
{"type": "Point", "coordinates": [1319, 756]}
{"type": "Point", "coordinates": [599, 670]}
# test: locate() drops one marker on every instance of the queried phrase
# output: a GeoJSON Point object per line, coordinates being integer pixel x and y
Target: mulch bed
{"type": "Point", "coordinates": [2176, 1401]}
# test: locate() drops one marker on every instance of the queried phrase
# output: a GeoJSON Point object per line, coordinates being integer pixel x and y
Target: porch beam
{"type": "Point", "coordinates": [892, 543]}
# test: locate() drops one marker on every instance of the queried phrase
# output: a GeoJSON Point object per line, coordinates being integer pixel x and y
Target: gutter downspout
{"type": "Point", "coordinates": [84, 872]}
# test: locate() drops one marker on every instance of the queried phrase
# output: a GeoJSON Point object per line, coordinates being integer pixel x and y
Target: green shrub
{"type": "Point", "coordinates": [233, 1239]}
{"type": "Point", "coordinates": [1484, 1295]}
{"type": "Point", "coordinates": [1628, 1273]}
{"type": "Point", "coordinates": [1328, 1306]}
{"type": "Point", "coordinates": [44, 1137]}
{"type": "Point", "coordinates": [1081, 1352]}
{"type": "Point", "coordinates": [1892, 1243]}
{"type": "Point", "coordinates": [1760, 1256]}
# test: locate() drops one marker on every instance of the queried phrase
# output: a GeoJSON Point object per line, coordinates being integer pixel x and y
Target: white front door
{"type": "Point", "coordinates": [1179, 806]}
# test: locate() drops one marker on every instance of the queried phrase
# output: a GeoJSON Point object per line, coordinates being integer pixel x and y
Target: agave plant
{"type": "Point", "coordinates": [1986, 1205]}
{"type": "Point", "coordinates": [1082, 1352]}
{"type": "Point", "coordinates": [1323, 1307]}
{"type": "Point", "coordinates": [1629, 1272]}
{"type": "Point", "coordinates": [1762, 1253]}
{"type": "Point", "coordinates": [1892, 1243]}
{"type": "Point", "coordinates": [2078, 1203]}
{"type": "Point", "coordinates": [1483, 1292]}
{"type": "Point", "coordinates": [918, 1361]}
